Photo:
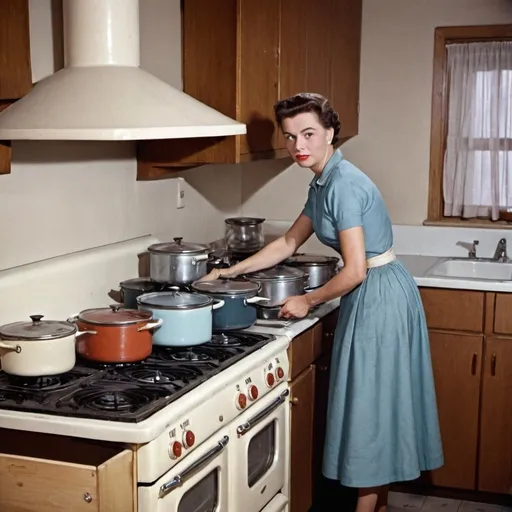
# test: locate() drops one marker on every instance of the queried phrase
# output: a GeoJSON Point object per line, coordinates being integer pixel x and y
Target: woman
{"type": "Point", "coordinates": [382, 424]}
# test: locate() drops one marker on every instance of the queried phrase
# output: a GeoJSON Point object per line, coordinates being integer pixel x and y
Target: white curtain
{"type": "Point", "coordinates": [477, 176]}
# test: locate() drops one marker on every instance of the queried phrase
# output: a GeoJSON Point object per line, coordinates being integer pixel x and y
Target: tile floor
{"type": "Point", "coordinates": [399, 502]}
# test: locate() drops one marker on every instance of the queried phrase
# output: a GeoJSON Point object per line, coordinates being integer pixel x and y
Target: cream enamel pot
{"type": "Point", "coordinates": [38, 348]}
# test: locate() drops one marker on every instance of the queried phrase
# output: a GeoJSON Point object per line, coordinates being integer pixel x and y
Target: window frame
{"type": "Point", "coordinates": [439, 118]}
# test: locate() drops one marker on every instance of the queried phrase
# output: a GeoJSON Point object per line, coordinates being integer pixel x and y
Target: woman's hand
{"type": "Point", "coordinates": [216, 273]}
{"type": "Point", "coordinates": [296, 306]}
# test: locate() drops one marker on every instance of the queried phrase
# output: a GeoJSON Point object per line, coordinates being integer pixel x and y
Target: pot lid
{"type": "Point", "coordinates": [114, 315]}
{"type": "Point", "coordinates": [178, 247]}
{"type": "Point", "coordinates": [227, 287]}
{"type": "Point", "coordinates": [144, 284]}
{"type": "Point", "coordinates": [37, 329]}
{"type": "Point", "coordinates": [279, 272]}
{"type": "Point", "coordinates": [311, 259]}
{"type": "Point", "coordinates": [244, 221]}
{"type": "Point", "coordinates": [174, 300]}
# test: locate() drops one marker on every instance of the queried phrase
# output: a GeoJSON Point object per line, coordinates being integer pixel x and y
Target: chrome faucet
{"type": "Point", "coordinates": [470, 247]}
{"type": "Point", "coordinates": [501, 251]}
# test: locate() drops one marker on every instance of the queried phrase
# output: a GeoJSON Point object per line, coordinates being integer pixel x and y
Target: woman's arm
{"type": "Point", "coordinates": [353, 272]}
{"type": "Point", "coordinates": [351, 275]}
{"type": "Point", "coordinates": [275, 252]}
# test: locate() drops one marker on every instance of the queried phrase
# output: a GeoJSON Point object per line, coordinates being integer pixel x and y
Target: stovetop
{"type": "Point", "coordinates": [131, 392]}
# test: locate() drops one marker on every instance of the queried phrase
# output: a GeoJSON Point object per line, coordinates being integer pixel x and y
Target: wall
{"type": "Point", "coordinates": [396, 84]}
{"type": "Point", "coordinates": [67, 197]}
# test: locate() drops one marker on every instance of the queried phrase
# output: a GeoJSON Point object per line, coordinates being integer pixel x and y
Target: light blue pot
{"type": "Point", "coordinates": [187, 317]}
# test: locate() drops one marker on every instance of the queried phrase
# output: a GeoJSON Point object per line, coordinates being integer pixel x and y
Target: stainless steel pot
{"type": "Point", "coordinates": [244, 234]}
{"type": "Point", "coordinates": [178, 262]}
{"type": "Point", "coordinates": [280, 282]}
{"type": "Point", "coordinates": [320, 268]}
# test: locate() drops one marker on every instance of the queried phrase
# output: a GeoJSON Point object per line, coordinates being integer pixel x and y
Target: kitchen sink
{"type": "Point", "coordinates": [473, 269]}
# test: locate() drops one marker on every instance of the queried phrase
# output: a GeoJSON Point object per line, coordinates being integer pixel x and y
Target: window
{"type": "Point", "coordinates": [471, 134]}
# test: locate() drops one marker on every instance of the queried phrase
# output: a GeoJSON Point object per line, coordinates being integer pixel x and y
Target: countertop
{"type": "Point", "coordinates": [417, 265]}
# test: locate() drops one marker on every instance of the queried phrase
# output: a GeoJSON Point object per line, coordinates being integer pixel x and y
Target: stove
{"type": "Point", "coordinates": [128, 393]}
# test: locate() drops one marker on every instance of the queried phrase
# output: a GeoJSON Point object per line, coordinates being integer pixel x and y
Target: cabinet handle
{"type": "Point", "coordinates": [294, 401]}
{"type": "Point", "coordinates": [473, 364]}
{"type": "Point", "coordinates": [493, 365]}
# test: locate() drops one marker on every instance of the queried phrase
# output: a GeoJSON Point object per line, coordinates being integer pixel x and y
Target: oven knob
{"type": "Point", "coordinates": [270, 380]}
{"type": "Point", "coordinates": [175, 450]}
{"type": "Point", "coordinates": [188, 439]}
{"type": "Point", "coordinates": [241, 401]}
{"type": "Point", "coordinates": [279, 373]}
{"type": "Point", "coordinates": [253, 392]}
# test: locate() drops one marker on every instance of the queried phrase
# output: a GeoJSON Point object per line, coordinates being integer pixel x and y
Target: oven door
{"type": "Point", "coordinates": [199, 483]}
{"type": "Point", "coordinates": [278, 504]}
{"type": "Point", "coordinates": [260, 451]}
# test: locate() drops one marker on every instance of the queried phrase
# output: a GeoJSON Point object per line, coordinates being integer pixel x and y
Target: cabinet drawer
{"type": "Point", "coordinates": [455, 310]}
{"type": "Point", "coordinates": [304, 350]}
{"type": "Point", "coordinates": [503, 313]}
{"type": "Point", "coordinates": [64, 474]}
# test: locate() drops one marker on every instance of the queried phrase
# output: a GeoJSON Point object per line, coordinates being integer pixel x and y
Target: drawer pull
{"type": "Point", "coordinates": [473, 364]}
{"type": "Point", "coordinates": [493, 365]}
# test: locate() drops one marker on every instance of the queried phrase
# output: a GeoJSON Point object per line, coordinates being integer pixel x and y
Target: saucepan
{"type": "Point", "coordinates": [115, 334]}
{"type": "Point", "coordinates": [319, 268]}
{"type": "Point", "coordinates": [239, 296]}
{"type": "Point", "coordinates": [39, 347]}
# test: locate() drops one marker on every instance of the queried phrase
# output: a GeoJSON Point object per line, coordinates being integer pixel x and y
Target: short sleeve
{"type": "Point", "coordinates": [308, 207]}
{"type": "Point", "coordinates": [346, 203]}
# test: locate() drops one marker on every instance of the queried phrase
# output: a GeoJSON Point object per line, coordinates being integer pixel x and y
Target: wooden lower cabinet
{"type": "Point", "coordinates": [495, 455]}
{"type": "Point", "coordinates": [302, 403]}
{"type": "Point", "coordinates": [456, 361]}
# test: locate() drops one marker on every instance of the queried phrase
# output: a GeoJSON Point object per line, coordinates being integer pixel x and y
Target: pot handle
{"type": "Point", "coordinates": [81, 333]}
{"type": "Point", "coordinates": [151, 325]}
{"type": "Point", "coordinates": [200, 257]}
{"type": "Point", "coordinates": [218, 304]}
{"type": "Point", "coordinates": [73, 318]}
{"type": "Point", "coordinates": [9, 346]}
{"type": "Point", "coordinates": [255, 300]}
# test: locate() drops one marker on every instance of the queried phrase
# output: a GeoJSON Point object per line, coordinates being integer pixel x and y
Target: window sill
{"type": "Point", "coordinates": [469, 223]}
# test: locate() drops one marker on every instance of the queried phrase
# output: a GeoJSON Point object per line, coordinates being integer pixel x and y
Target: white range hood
{"type": "Point", "coordinates": [102, 94]}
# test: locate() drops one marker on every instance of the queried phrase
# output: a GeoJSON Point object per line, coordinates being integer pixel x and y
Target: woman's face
{"type": "Point", "coordinates": [307, 140]}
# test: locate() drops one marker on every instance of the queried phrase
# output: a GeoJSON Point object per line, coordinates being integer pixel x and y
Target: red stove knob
{"type": "Point", "coordinates": [189, 439]}
{"type": "Point", "coordinates": [279, 373]}
{"type": "Point", "coordinates": [253, 392]}
{"type": "Point", "coordinates": [241, 401]}
{"type": "Point", "coordinates": [175, 450]}
{"type": "Point", "coordinates": [270, 380]}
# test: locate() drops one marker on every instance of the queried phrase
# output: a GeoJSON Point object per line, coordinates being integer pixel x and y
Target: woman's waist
{"type": "Point", "coordinates": [379, 260]}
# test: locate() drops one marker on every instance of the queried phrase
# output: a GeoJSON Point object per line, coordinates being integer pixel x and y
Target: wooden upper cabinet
{"type": "Point", "coordinates": [346, 63]}
{"type": "Point", "coordinates": [241, 56]}
{"type": "Point", "coordinates": [15, 69]}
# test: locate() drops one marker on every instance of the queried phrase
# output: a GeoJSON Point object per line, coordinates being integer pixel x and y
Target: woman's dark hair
{"type": "Point", "coordinates": [309, 102]}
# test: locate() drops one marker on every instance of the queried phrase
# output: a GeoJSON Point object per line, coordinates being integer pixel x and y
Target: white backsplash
{"type": "Point", "coordinates": [416, 240]}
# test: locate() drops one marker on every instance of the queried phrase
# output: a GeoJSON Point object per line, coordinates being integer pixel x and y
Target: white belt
{"type": "Point", "coordinates": [381, 259]}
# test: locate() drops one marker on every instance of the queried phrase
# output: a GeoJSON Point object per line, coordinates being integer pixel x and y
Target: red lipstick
{"type": "Point", "coordinates": [301, 157]}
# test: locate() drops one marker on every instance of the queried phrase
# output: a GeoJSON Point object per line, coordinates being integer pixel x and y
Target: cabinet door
{"type": "Point", "coordinates": [258, 58]}
{"type": "Point", "coordinates": [15, 69]}
{"type": "Point", "coordinates": [346, 59]}
{"type": "Point", "coordinates": [495, 465]}
{"type": "Point", "coordinates": [301, 450]}
{"type": "Point", "coordinates": [456, 360]}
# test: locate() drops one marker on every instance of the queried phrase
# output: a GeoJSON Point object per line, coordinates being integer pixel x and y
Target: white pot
{"type": "Point", "coordinates": [38, 348]}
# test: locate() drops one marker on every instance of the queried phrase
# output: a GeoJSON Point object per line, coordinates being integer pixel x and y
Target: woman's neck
{"type": "Point", "coordinates": [317, 169]}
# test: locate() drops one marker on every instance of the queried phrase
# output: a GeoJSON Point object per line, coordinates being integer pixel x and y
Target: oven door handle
{"type": "Point", "coordinates": [245, 427]}
{"type": "Point", "coordinates": [180, 479]}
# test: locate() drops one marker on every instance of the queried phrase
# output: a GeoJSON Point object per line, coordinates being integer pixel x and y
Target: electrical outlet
{"type": "Point", "coordinates": [180, 203]}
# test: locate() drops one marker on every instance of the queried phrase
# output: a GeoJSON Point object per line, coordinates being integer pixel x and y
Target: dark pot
{"type": "Point", "coordinates": [239, 296]}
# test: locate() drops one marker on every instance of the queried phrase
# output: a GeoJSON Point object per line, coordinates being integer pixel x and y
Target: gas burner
{"type": "Point", "coordinates": [225, 340]}
{"type": "Point", "coordinates": [108, 366]}
{"type": "Point", "coordinates": [44, 383]}
{"type": "Point", "coordinates": [17, 397]}
{"type": "Point", "coordinates": [163, 376]}
{"type": "Point", "coordinates": [189, 355]}
{"type": "Point", "coordinates": [125, 400]}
